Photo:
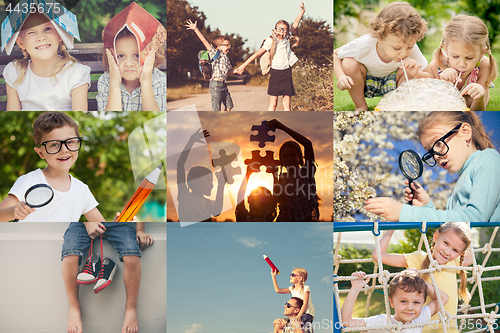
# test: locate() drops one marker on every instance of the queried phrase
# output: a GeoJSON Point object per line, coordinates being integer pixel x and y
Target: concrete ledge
{"type": "Point", "coordinates": [32, 293]}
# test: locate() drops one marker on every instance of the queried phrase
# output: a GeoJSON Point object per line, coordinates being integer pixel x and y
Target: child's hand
{"type": "Point", "coordinates": [450, 75]}
{"type": "Point", "coordinates": [199, 135]}
{"type": "Point", "coordinates": [272, 124]}
{"type": "Point", "coordinates": [144, 240]}
{"type": "Point", "coordinates": [190, 25]}
{"type": "Point", "coordinates": [21, 210]}
{"type": "Point", "coordinates": [114, 71]}
{"type": "Point", "coordinates": [302, 8]}
{"type": "Point", "coordinates": [279, 323]}
{"type": "Point", "coordinates": [359, 283]}
{"type": "Point", "coordinates": [420, 196]}
{"type": "Point", "coordinates": [345, 82]}
{"type": "Point", "coordinates": [387, 208]}
{"type": "Point", "coordinates": [147, 68]}
{"type": "Point", "coordinates": [411, 66]}
{"type": "Point", "coordinates": [95, 229]}
{"type": "Point", "coordinates": [273, 273]}
{"type": "Point", "coordinates": [239, 70]}
{"type": "Point", "coordinates": [474, 90]}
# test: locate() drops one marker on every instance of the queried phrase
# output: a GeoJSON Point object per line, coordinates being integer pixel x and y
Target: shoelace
{"type": "Point", "coordinates": [88, 265]}
{"type": "Point", "coordinates": [101, 273]}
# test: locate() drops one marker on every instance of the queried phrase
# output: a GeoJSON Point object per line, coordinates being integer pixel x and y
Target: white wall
{"type": "Point", "coordinates": [32, 294]}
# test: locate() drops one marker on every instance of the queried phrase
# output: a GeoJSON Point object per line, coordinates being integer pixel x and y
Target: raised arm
{"type": "Point", "coordinates": [219, 197]}
{"type": "Point", "coordinates": [296, 23]}
{"type": "Point", "coordinates": [305, 142]}
{"type": "Point", "coordinates": [391, 259]}
{"type": "Point", "coordinates": [348, 306]}
{"type": "Point", "coordinates": [275, 284]}
{"type": "Point", "coordinates": [192, 26]}
{"type": "Point", "coordinates": [181, 172]}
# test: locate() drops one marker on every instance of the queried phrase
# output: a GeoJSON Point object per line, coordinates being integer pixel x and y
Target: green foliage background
{"type": "Point", "coordinates": [103, 162]}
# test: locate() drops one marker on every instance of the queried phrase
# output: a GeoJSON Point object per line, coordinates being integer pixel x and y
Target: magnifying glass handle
{"type": "Point", "coordinates": [16, 220]}
{"type": "Point", "coordinates": [409, 185]}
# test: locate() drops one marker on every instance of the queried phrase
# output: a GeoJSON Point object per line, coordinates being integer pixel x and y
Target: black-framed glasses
{"type": "Point", "coordinates": [54, 146]}
{"type": "Point", "coordinates": [439, 148]}
{"type": "Point", "coordinates": [288, 305]}
{"type": "Point", "coordinates": [280, 29]}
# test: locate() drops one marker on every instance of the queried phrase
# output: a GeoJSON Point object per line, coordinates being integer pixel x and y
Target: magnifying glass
{"type": "Point", "coordinates": [411, 166]}
{"type": "Point", "coordinates": [37, 196]}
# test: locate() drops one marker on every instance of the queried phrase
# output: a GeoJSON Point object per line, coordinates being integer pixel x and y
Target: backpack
{"type": "Point", "coordinates": [267, 58]}
{"type": "Point", "coordinates": [205, 63]}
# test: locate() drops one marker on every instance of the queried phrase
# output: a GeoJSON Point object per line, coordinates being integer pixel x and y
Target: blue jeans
{"type": "Point", "coordinates": [120, 234]}
{"type": "Point", "coordinates": [220, 94]}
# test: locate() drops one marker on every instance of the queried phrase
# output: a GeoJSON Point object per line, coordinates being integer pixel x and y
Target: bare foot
{"type": "Point", "coordinates": [130, 323]}
{"type": "Point", "coordinates": [363, 108]}
{"type": "Point", "coordinates": [75, 320]}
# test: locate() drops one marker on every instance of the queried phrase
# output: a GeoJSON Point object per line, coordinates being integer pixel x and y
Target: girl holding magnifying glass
{"type": "Point", "coordinates": [457, 142]}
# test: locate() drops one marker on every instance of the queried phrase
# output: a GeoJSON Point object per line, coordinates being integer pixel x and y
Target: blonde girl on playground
{"type": "Point", "coordinates": [44, 80]}
{"type": "Point", "coordinates": [298, 278]}
{"type": "Point", "coordinates": [461, 59]}
{"type": "Point", "coordinates": [280, 82]}
{"type": "Point", "coordinates": [457, 142]}
{"type": "Point", "coordinates": [450, 247]}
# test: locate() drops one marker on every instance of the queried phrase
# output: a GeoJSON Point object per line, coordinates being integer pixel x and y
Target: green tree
{"type": "Point", "coordinates": [488, 11]}
{"type": "Point", "coordinates": [103, 162]}
{"type": "Point", "coordinates": [316, 41]}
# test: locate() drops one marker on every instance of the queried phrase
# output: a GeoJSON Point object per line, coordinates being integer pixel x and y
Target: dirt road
{"type": "Point", "coordinates": [245, 98]}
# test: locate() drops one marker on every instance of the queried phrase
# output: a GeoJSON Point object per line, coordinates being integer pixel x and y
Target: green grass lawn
{"type": "Point", "coordinates": [343, 102]}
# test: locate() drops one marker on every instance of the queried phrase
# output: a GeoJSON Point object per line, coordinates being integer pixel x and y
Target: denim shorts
{"type": "Point", "coordinates": [220, 94]}
{"type": "Point", "coordinates": [120, 234]}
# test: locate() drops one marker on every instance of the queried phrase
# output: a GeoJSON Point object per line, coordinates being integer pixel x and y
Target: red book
{"type": "Point", "coordinates": [148, 31]}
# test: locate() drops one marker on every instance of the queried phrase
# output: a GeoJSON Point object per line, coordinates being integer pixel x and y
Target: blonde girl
{"type": "Point", "coordinates": [298, 277]}
{"type": "Point", "coordinates": [461, 59]}
{"type": "Point", "coordinates": [280, 82]}
{"type": "Point", "coordinates": [48, 78]}
{"type": "Point", "coordinates": [457, 142]}
{"type": "Point", "coordinates": [450, 247]}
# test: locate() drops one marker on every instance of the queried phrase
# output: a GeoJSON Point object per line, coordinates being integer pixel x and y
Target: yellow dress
{"type": "Point", "coordinates": [446, 281]}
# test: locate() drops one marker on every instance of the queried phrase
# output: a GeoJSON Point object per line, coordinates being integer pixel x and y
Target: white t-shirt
{"type": "Point", "coordinates": [283, 57]}
{"type": "Point", "coordinates": [364, 50]}
{"type": "Point", "coordinates": [46, 93]}
{"type": "Point", "coordinates": [296, 293]}
{"type": "Point", "coordinates": [193, 208]}
{"type": "Point", "coordinates": [381, 319]}
{"type": "Point", "coordinates": [65, 206]}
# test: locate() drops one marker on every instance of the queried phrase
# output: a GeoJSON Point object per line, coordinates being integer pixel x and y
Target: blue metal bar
{"type": "Point", "coordinates": [368, 226]}
{"type": "Point", "coordinates": [336, 324]}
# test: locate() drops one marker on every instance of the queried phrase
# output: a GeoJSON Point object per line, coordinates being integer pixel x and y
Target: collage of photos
{"type": "Point", "coordinates": [347, 134]}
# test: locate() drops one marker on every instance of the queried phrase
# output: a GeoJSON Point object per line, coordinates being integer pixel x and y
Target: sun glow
{"type": "Point", "coordinates": [259, 179]}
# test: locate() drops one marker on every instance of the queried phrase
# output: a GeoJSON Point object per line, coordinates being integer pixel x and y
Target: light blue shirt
{"type": "Point", "coordinates": [475, 198]}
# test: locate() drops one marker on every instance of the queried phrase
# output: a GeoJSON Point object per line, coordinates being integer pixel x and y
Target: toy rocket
{"type": "Point", "coordinates": [273, 267]}
{"type": "Point", "coordinates": [135, 203]}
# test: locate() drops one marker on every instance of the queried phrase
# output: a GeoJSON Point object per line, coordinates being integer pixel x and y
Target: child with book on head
{"type": "Point", "coordinates": [48, 77]}
{"type": "Point", "coordinates": [299, 289]}
{"type": "Point", "coordinates": [296, 188]}
{"type": "Point", "coordinates": [194, 206]}
{"type": "Point", "coordinates": [450, 247]}
{"type": "Point", "coordinates": [261, 202]}
{"type": "Point", "coordinates": [375, 64]}
{"type": "Point", "coordinates": [407, 295]}
{"type": "Point", "coordinates": [132, 50]}
{"type": "Point", "coordinates": [221, 68]}
{"type": "Point", "coordinates": [458, 142]}
{"type": "Point", "coordinates": [461, 59]}
{"type": "Point", "coordinates": [283, 58]}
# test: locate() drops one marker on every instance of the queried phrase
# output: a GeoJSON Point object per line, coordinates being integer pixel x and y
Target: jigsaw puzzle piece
{"type": "Point", "coordinates": [262, 137]}
{"type": "Point", "coordinates": [267, 160]}
{"type": "Point", "coordinates": [224, 161]}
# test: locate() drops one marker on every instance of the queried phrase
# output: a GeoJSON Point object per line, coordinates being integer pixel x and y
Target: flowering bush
{"type": "Point", "coordinates": [313, 84]}
{"type": "Point", "coordinates": [365, 161]}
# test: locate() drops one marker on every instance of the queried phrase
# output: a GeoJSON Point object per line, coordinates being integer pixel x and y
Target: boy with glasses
{"type": "Point", "coordinates": [57, 140]}
{"type": "Point", "coordinates": [221, 68]}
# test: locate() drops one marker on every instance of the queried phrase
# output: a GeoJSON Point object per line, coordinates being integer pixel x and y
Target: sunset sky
{"type": "Point", "coordinates": [231, 131]}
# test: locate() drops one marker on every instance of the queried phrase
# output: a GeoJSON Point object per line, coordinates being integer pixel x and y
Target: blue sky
{"type": "Point", "coordinates": [254, 20]}
{"type": "Point", "coordinates": [218, 281]}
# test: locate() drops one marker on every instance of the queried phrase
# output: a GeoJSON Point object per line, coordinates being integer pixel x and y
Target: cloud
{"type": "Point", "coordinates": [325, 279]}
{"type": "Point", "coordinates": [250, 242]}
{"type": "Point", "coordinates": [194, 328]}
